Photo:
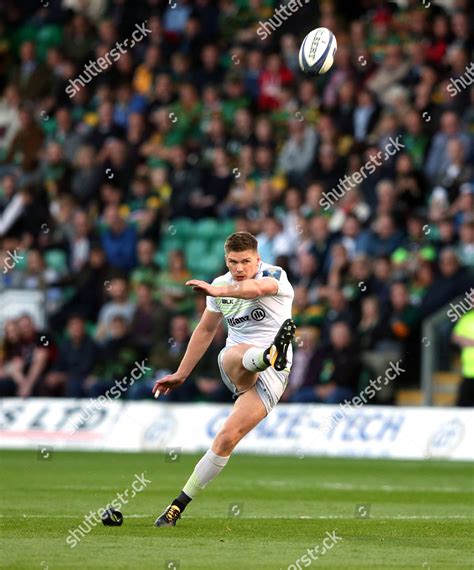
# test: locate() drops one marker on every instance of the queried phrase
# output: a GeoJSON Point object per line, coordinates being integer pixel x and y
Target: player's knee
{"type": "Point", "coordinates": [226, 440]}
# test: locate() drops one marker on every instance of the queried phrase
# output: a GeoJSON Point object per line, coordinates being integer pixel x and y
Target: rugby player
{"type": "Point", "coordinates": [255, 298]}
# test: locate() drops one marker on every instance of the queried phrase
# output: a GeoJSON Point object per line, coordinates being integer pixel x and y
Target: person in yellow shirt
{"type": "Point", "coordinates": [463, 336]}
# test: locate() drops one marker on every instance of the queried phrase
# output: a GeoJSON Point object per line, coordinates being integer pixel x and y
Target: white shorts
{"type": "Point", "coordinates": [270, 384]}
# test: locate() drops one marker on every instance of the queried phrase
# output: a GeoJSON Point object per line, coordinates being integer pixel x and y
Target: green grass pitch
{"type": "Point", "coordinates": [261, 512]}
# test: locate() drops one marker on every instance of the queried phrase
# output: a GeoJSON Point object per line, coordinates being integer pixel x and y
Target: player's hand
{"type": "Point", "coordinates": [202, 287]}
{"type": "Point", "coordinates": [167, 383]}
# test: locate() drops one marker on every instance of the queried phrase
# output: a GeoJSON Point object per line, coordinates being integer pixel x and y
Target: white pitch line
{"type": "Point", "coordinates": [321, 517]}
{"type": "Point", "coordinates": [351, 487]}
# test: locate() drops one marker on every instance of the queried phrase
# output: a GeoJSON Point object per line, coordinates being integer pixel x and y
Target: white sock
{"type": "Point", "coordinates": [254, 360]}
{"type": "Point", "coordinates": [209, 466]}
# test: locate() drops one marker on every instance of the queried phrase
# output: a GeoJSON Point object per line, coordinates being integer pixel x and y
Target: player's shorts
{"type": "Point", "coordinates": [270, 384]}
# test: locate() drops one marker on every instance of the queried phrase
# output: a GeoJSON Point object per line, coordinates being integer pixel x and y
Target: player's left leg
{"type": "Point", "coordinates": [248, 411]}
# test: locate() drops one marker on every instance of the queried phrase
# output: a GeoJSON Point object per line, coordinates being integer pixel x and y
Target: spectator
{"type": "Point", "coordinates": [147, 270]}
{"type": "Point", "coordinates": [11, 361]}
{"type": "Point", "coordinates": [36, 354]}
{"type": "Point", "coordinates": [76, 359]}
{"type": "Point", "coordinates": [150, 321]}
{"type": "Point", "coordinates": [119, 305]}
{"type": "Point", "coordinates": [165, 356]}
{"type": "Point", "coordinates": [24, 149]}
{"type": "Point", "coordinates": [333, 372]}
{"type": "Point", "coordinates": [438, 158]}
{"type": "Point", "coordinates": [119, 240]}
{"type": "Point", "coordinates": [307, 338]}
{"type": "Point", "coordinates": [452, 281]}
{"type": "Point", "coordinates": [116, 359]}
{"type": "Point", "coordinates": [297, 154]}
{"type": "Point", "coordinates": [171, 285]}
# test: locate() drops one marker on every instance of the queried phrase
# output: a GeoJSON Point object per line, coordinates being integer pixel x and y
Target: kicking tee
{"type": "Point", "coordinates": [255, 321]}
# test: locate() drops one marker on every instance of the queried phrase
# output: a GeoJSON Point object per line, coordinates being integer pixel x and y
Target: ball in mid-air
{"type": "Point", "coordinates": [317, 51]}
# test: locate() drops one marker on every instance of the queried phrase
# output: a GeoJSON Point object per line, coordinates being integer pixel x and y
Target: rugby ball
{"type": "Point", "coordinates": [317, 51]}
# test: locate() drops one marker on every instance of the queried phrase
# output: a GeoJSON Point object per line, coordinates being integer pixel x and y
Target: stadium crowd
{"type": "Point", "coordinates": [119, 180]}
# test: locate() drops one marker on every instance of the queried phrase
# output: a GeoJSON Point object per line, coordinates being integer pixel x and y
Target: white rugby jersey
{"type": "Point", "coordinates": [255, 321]}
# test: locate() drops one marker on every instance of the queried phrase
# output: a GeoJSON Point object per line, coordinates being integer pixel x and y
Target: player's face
{"type": "Point", "coordinates": [242, 264]}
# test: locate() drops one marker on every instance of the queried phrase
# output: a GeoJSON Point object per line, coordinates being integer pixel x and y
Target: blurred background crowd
{"type": "Point", "coordinates": [110, 199]}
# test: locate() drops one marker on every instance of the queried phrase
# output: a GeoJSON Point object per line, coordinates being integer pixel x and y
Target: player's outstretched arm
{"type": "Point", "coordinates": [246, 289]}
{"type": "Point", "coordinates": [197, 346]}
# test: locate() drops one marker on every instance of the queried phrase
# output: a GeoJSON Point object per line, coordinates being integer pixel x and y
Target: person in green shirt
{"type": "Point", "coordinates": [171, 285]}
{"type": "Point", "coordinates": [463, 336]}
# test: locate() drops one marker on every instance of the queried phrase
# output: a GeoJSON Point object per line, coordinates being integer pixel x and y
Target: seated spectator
{"type": "Point", "coordinates": [142, 207]}
{"type": "Point", "coordinates": [297, 154]}
{"type": "Point", "coordinates": [438, 159]}
{"type": "Point", "coordinates": [117, 357]}
{"type": "Point", "coordinates": [453, 280]}
{"type": "Point", "coordinates": [353, 237]}
{"type": "Point", "coordinates": [371, 327]}
{"type": "Point", "coordinates": [80, 241]}
{"type": "Point", "coordinates": [306, 314]}
{"type": "Point", "coordinates": [385, 237]}
{"type": "Point", "coordinates": [165, 357]}
{"type": "Point", "coordinates": [89, 291]}
{"type": "Point", "coordinates": [465, 249]}
{"type": "Point", "coordinates": [36, 351]}
{"type": "Point", "coordinates": [147, 270]}
{"type": "Point", "coordinates": [333, 373]}
{"type": "Point", "coordinates": [338, 309]}
{"type": "Point", "coordinates": [171, 285]}
{"type": "Point", "coordinates": [307, 275]}
{"type": "Point", "coordinates": [76, 359]}
{"type": "Point", "coordinates": [119, 305]}
{"type": "Point", "coordinates": [304, 347]}
{"type": "Point", "coordinates": [23, 151]}
{"type": "Point", "coordinates": [150, 321]}
{"type": "Point", "coordinates": [404, 316]}
{"type": "Point", "coordinates": [119, 240]}
{"type": "Point", "coordinates": [272, 241]}
{"type": "Point", "coordinates": [87, 175]}
{"type": "Point", "coordinates": [11, 362]}
{"type": "Point", "coordinates": [422, 279]}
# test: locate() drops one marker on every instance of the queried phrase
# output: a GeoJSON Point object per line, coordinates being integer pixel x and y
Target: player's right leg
{"type": "Point", "coordinates": [248, 411]}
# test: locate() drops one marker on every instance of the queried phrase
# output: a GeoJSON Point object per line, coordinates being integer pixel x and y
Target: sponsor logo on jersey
{"type": "Point", "coordinates": [237, 320]}
{"type": "Point", "coordinates": [258, 314]}
{"type": "Point", "coordinates": [227, 301]}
